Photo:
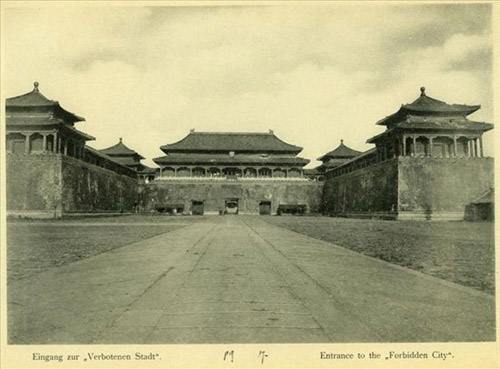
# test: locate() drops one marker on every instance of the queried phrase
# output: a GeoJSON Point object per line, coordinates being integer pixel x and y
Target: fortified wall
{"type": "Point", "coordinates": [441, 187]}
{"type": "Point", "coordinates": [366, 192]}
{"type": "Point", "coordinates": [51, 185]}
{"type": "Point", "coordinates": [409, 188]}
{"type": "Point", "coordinates": [87, 188]}
{"type": "Point", "coordinates": [250, 194]}
{"type": "Point", "coordinates": [34, 185]}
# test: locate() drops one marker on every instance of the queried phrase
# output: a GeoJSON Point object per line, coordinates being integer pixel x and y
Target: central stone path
{"type": "Point", "coordinates": [238, 279]}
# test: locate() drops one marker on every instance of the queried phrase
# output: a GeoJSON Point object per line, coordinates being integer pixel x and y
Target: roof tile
{"type": "Point", "coordinates": [231, 141]}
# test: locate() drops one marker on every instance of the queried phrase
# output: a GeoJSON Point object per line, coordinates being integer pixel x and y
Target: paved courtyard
{"type": "Point", "coordinates": [239, 279]}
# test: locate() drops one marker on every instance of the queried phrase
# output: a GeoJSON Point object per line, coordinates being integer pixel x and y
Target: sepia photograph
{"type": "Point", "coordinates": [226, 173]}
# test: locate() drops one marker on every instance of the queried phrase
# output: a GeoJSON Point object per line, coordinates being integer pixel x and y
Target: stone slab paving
{"type": "Point", "coordinates": [238, 279]}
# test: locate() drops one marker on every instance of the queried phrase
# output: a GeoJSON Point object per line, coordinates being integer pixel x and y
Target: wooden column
{"type": "Point", "coordinates": [431, 146]}
{"type": "Point", "coordinates": [54, 142]}
{"type": "Point", "coordinates": [44, 144]}
{"type": "Point", "coordinates": [404, 145]}
{"type": "Point", "coordinates": [455, 148]}
{"type": "Point", "coordinates": [481, 146]}
{"type": "Point", "coordinates": [414, 149]}
{"type": "Point", "coordinates": [27, 143]}
{"type": "Point", "coordinates": [475, 148]}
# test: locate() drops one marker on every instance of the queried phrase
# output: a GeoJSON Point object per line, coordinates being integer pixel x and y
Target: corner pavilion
{"type": "Point", "coordinates": [334, 158]}
{"type": "Point", "coordinates": [430, 127]}
{"type": "Point", "coordinates": [36, 124]}
{"type": "Point", "coordinates": [427, 148]}
{"type": "Point", "coordinates": [130, 158]}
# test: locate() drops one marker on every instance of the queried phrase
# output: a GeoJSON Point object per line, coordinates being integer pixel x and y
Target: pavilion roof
{"type": "Point", "coordinates": [77, 132]}
{"type": "Point", "coordinates": [35, 99]}
{"type": "Point", "coordinates": [231, 141]}
{"type": "Point", "coordinates": [425, 105]}
{"type": "Point", "coordinates": [108, 158]}
{"type": "Point", "coordinates": [437, 124]}
{"type": "Point", "coordinates": [214, 159]}
{"type": "Point", "coordinates": [126, 160]}
{"type": "Point", "coordinates": [341, 152]}
{"type": "Point", "coordinates": [364, 154]}
{"type": "Point", "coordinates": [120, 149]}
{"type": "Point", "coordinates": [443, 123]}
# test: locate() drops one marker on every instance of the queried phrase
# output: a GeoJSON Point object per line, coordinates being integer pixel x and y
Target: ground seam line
{"type": "Point", "coordinates": [316, 283]}
{"type": "Point", "coordinates": [288, 285]}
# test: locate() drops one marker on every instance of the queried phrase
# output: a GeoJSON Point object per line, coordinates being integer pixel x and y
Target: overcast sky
{"type": "Point", "coordinates": [312, 73]}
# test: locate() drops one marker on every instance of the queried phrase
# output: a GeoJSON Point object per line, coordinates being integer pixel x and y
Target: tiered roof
{"type": "Point", "coordinates": [34, 100]}
{"type": "Point", "coordinates": [336, 157]}
{"type": "Point", "coordinates": [33, 109]}
{"type": "Point", "coordinates": [341, 152]}
{"type": "Point", "coordinates": [120, 149]}
{"type": "Point", "coordinates": [231, 141]}
{"type": "Point", "coordinates": [432, 114]}
{"type": "Point", "coordinates": [231, 148]}
{"type": "Point", "coordinates": [124, 155]}
{"type": "Point", "coordinates": [224, 159]}
{"type": "Point", "coordinates": [428, 106]}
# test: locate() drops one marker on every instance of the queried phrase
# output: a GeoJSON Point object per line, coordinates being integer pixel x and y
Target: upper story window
{"type": "Point", "coordinates": [231, 153]}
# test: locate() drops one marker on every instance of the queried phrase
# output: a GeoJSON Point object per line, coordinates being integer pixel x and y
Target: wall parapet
{"type": "Point", "coordinates": [231, 180]}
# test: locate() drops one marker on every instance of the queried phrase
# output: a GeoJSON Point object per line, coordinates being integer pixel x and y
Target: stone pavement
{"type": "Point", "coordinates": [238, 279]}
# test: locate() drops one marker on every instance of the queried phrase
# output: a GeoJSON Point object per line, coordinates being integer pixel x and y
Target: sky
{"type": "Point", "coordinates": [314, 74]}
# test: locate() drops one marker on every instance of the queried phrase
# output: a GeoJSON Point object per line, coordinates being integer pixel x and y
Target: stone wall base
{"type": "Point", "coordinates": [443, 216]}
{"type": "Point", "coordinates": [34, 214]}
{"type": "Point", "coordinates": [367, 215]}
{"type": "Point", "coordinates": [407, 215]}
{"type": "Point", "coordinates": [212, 195]}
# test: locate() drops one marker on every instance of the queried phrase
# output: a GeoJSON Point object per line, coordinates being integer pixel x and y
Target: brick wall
{"type": "Point", "coordinates": [433, 187]}
{"type": "Point", "coordinates": [409, 188]}
{"type": "Point", "coordinates": [89, 188]}
{"type": "Point", "coordinates": [249, 193]}
{"type": "Point", "coordinates": [48, 185]}
{"type": "Point", "coordinates": [369, 191]}
{"type": "Point", "coordinates": [33, 184]}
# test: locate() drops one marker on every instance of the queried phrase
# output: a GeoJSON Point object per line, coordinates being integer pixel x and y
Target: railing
{"type": "Point", "coordinates": [225, 178]}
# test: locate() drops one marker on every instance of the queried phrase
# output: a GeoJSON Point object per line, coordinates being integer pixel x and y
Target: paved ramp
{"type": "Point", "coordinates": [241, 280]}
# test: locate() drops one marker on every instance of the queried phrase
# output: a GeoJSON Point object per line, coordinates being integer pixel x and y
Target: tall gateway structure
{"type": "Point", "coordinates": [232, 172]}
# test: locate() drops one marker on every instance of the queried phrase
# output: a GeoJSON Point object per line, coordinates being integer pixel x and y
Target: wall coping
{"type": "Point", "coordinates": [226, 180]}
{"type": "Point", "coordinates": [93, 166]}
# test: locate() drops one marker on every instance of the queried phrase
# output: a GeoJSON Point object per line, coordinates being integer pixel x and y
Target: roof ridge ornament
{"type": "Point", "coordinates": [35, 86]}
{"type": "Point", "coordinates": [422, 91]}
{"type": "Point", "coordinates": [341, 141]}
{"type": "Point", "coordinates": [121, 139]}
